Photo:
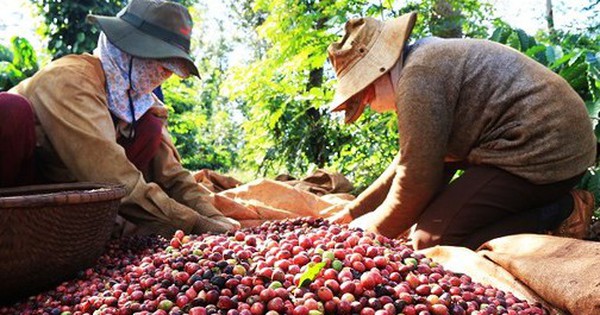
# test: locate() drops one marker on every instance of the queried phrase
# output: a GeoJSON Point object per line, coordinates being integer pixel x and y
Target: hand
{"type": "Point", "coordinates": [341, 217]}
{"type": "Point", "coordinates": [218, 224]}
{"type": "Point", "coordinates": [364, 222]}
{"type": "Point", "coordinates": [235, 225]}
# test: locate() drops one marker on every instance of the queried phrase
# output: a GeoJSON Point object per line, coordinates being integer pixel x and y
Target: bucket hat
{"type": "Point", "coordinates": [368, 49]}
{"type": "Point", "coordinates": [150, 29]}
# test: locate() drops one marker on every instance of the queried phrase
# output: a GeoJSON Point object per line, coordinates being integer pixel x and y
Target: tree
{"type": "Point", "coordinates": [65, 24]}
{"type": "Point", "coordinates": [16, 63]}
{"type": "Point", "coordinates": [201, 119]}
{"type": "Point", "coordinates": [286, 128]}
{"type": "Point", "coordinates": [550, 16]}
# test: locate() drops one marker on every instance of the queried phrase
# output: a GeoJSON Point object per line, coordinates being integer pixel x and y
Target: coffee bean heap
{"type": "Point", "coordinates": [301, 267]}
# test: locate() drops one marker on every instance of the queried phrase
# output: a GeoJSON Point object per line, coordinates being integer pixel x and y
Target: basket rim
{"type": "Point", "coordinates": [60, 194]}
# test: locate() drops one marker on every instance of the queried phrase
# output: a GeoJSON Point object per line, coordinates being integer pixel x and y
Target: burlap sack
{"type": "Point", "coordinates": [321, 182]}
{"type": "Point", "coordinates": [263, 199]}
{"type": "Point", "coordinates": [482, 270]}
{"type": "Point", "coordinates": [563, 271]}
{"type": "Point", "coordinates": [215, 181]}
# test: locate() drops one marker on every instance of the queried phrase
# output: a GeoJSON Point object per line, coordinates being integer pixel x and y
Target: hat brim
{"type": "Point", "coordinates": [137, 43]}
{"type": "Point", "coordinates": [381, 57]}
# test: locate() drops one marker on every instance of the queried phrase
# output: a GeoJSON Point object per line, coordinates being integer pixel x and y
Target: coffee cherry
{"type": "Point", "coordinates": [257, 271]}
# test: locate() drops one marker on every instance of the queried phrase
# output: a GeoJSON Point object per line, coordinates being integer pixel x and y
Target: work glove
{"type": "Point", "coordinates": [215, 224]}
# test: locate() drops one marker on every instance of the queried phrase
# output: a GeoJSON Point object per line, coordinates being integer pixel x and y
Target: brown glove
{"type": "Point", "coordinates": [218, 224]}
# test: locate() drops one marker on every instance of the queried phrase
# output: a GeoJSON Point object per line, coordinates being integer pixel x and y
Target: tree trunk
{"type": "Point", "coordinates": [550, 16]}
{"type": "Point", "coordinates": [446, 21]}
{"type": "Point", "coordinates": [315, 80]}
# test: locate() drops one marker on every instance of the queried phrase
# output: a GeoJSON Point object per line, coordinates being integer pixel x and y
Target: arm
{"type": "Point", "coordinates": [376, 193]}
{"type": "Point", "coordinates": [168, 172]}
{"type": "Point", "coordinates": [425, 107]}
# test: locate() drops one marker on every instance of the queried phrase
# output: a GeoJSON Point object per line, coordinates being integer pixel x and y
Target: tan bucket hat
{"type": "Point", "coordinates": [369, 49]}
{"type": "Point", "coordinates": [150, 29]}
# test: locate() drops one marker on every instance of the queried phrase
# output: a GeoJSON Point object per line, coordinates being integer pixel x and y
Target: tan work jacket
{"type": "Point", "coordinates": [76, 141]}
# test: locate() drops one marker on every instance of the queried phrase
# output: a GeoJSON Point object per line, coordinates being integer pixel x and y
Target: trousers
{"type": "Point", "coordinates": [486, 202]}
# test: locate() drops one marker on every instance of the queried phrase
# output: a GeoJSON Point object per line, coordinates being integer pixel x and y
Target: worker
{"type": "Point", "coordinates": [519, 132]}
{"type": "Point", "coordinates": [94, 118]}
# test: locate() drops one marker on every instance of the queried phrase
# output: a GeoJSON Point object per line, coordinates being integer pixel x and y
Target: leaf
{"type": "Point", "coordinates": [593, 61]}
{"type": "Point", "coordinates": [553, 53]}
{"type": "Point", "coordinates": [593, 108]}
{"type": "Point", "coordinates": [525, 40]}
{"type": "Point", "coordinates": [501, 34]}
{"type": "Point", "coordinates": [5, 54]}
{"type": "Point", "coordinates": [310, 274]}
{"type": "Point", "coordinates": [80, 37]}
{"type": "Point", "coordinates": [538, 52]}
{"type": "Point", "coordinates": [9, 75]}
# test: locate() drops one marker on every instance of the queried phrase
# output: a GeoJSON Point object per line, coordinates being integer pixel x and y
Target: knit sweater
{"type": "Point", "coordinates": [481, 103]}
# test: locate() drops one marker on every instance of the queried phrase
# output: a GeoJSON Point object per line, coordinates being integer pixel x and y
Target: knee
{"type": "Point", "coordinates": [16, 110]}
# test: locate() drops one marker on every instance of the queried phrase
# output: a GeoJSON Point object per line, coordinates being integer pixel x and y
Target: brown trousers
{"type": "Point", "coordinates": [487, 202]}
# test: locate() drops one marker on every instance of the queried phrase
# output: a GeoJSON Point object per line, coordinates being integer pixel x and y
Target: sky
{"type": "Point", "coordinates": [17, 18]}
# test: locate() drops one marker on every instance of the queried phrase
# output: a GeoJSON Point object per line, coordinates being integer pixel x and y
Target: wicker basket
{"type": "Point", "coordinates": [50, 232]}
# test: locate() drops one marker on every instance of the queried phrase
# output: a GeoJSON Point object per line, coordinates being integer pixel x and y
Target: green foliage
{"type": "Point", "coordinates": [450, 18]}
{"type": "Point", "coordinates": [66, 27]}
{"type": "Point", "coordinates": [287, 128]}
{"type": "Point", "coordinates": [6, 54]}
{"type": "Point", "coordinates": [311, 273]}
{"type": "Point", "coordinates": [205, 137]}
{"type": "Point", "coordinates": [202, 121]}
{"type": "Point", "coordinates": [16, 63]}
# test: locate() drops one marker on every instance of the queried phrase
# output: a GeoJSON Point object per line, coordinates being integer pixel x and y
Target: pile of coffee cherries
{"type": "Point", "coordinates": [303, 266]}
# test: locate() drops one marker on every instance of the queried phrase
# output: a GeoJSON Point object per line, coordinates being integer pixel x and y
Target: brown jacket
{"type": "Point", "coordinates": [77, 142]}
{"type": "Point", "coordinates": [480, 103]}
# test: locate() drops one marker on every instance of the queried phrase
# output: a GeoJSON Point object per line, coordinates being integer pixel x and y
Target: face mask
{"type": "Point", "coordinates": [147, 74]}
{"type": "Point", "coordinates": [355, 106]}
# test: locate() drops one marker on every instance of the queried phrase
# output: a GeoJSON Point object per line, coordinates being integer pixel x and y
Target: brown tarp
{"type": "Point", "coordinates": [320, 194]}
{"type": "Point", "coordinates": [563, 271]}
{"type": "Point", "coordinates": [215, 181]}
{"type": "Point", "coordinates": [562, 274]}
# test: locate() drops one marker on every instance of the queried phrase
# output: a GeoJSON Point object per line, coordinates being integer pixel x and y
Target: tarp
{"type": "Point", "coordinates": [562, 274]}
{"type": "Point", "coordinates": [320, 194]}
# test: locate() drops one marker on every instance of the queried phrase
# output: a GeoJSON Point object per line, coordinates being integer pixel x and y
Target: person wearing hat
{"type": "Point", "coordinates": [521, 134]}
{"type": "Point", "coordinates": [94, 118]}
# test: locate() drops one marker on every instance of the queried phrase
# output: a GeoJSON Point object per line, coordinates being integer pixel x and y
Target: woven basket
{"type": "Point", "coordinates": [50, 232]}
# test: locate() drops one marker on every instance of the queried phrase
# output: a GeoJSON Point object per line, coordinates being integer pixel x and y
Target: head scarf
{"type": "Point", "coordinates": [146, 75]}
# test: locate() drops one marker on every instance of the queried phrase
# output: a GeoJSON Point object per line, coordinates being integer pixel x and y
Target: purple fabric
{"type": "Point", "coordinates": [143, 147]}
{"type": "Point", "coordinates": [17, 136]}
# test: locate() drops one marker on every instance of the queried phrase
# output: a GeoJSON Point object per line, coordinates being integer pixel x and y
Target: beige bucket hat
{"type": "Point", "coordinates": [369, 49]}
{"type": "Point", "coordinates": [155, 29]}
